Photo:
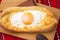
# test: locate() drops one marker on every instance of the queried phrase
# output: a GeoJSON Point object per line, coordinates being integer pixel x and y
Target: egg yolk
{"type": "Point", "coordinates": [27, 18]}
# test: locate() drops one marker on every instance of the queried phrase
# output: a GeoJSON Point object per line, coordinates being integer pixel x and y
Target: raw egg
{"type": "Point", "coordinates": [27, 18]}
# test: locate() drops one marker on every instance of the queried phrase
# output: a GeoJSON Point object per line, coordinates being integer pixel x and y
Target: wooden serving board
{"type": "Point", "coordinates": [32, 36]}
{"type": "Point", "coordinates": [10, 3]}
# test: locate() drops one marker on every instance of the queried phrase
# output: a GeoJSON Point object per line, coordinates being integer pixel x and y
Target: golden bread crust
{"type": "Point", "coordinates": [45, 28]}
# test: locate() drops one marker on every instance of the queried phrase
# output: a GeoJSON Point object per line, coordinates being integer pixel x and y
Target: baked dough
{"type": "Point", "coordinates": [28, 19]}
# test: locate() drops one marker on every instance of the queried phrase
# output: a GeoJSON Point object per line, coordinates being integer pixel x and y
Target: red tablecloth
{"type": "Point", "coordinates": [0, 1]}
{"type": "Point", "coordinates": [53, 3]}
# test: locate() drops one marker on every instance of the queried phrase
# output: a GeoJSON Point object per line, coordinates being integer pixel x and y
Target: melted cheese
{"type": "Point", "coordinates": [16, 19]}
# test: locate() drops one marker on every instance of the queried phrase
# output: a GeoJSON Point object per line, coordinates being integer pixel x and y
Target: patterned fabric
{"type": "Point", "coordinates": [57, 36]}
{"type": "Point", "coordinates": [53, 3]}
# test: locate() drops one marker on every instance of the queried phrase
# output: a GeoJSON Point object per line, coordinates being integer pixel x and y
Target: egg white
{"type": "Point", "coordinates": [16, 18]}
